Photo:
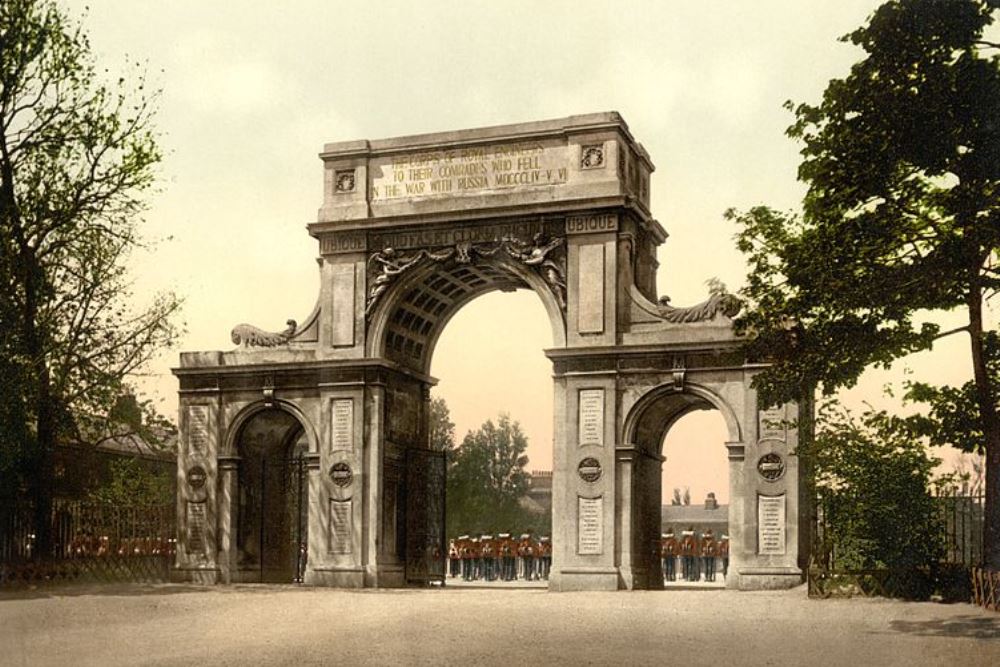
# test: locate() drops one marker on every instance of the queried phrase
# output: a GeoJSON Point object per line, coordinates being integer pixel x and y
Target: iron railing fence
{"type": "Point", "coordinates": [90, 541]}
{"type": "Point", "coordinates": [831, 572]}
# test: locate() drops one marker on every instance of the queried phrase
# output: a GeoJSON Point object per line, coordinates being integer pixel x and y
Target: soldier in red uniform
{"type": "Point", "coordinates": [708, 552]}
{"type": "Point", "coordinates": [668, 552]}
{"type": "Point", "coordinates": [488, 552]}
{"type": "Point", "coordinates": [544, 556]}
{"type": "Point", "coordinates": [507, 550]}
{"type": "Point", "coordinates": [454, 559]}
{"type": "Point", "coordinates": [468, 558]}
{"type": "Point", "coordinates": [526, 549]}
{"type": "Point", "coordinates": [688, 549]}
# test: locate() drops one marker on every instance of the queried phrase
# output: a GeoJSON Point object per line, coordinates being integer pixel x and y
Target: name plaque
{"type": "Point", "coordinates": [590, 533]}
{"type": "Point", "coordinates": [197, 428]}
{"type": "Point", "coordinates": [197, 518]}
{"type": "Point", "coordinates": [771, 525]}
{"type": "Point", "coordinates": [469, 170]}
{"type": "Point", "coordinates": [342, 427]}
{"type": "Point", "coordinates": [772, 423]}
{"type": "Point", "coordinates": [592, 417]}
{"type": "Point", "coordinates": [340, 526]}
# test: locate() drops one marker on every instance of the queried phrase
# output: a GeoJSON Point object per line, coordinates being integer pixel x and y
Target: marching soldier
{"type": "Point", "coordinates": [668, 552]}
{"type": "Point", "coordinates": [545, 556]}
{"type": "Point", "coordinates": [526, 550]}
{"type": "Point", "coordinates": [488, 553]}
{"type": "Point", "coordinates": [688, 549]}
{"type": "Point", "coordinates": [724, 554]}
{"type": "Point", "coordinates": [506, 556]}
{"type": "Point", "coordinates": [708, 551]}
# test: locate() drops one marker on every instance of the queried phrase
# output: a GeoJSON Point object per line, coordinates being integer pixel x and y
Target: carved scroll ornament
{"type": "Point", "coordinates": [720, 301]}
{"type": "Point", "coordinates": [247, 335]}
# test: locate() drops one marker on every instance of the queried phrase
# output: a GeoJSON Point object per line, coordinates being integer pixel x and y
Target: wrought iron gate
{"type": "Point", "coordinates": [281, 517]}
{"type": "Point", "coordinates": [425, 539]}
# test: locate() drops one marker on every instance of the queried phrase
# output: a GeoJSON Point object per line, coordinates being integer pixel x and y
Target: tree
{"type": "Point", "coordinates": [678, 499]}
{"type": "Point", "coordinates": [874, 478]}
{"type": "Point", "coordinates": [76, 155]}
{"type": "Point", "coordinates": [901, 216]}
{"type": "Point", "coordinates": [486, 478]}
{"type": "Point", "coordinates": [132, 483]}
{"type": "Point", "coordinates": [442, 428]}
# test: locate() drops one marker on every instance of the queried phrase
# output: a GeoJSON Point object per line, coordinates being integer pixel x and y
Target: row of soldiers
{"type": "Point", "coordinates": [697, 554]}
{"type": "Point", "coordinates": [503, 557]}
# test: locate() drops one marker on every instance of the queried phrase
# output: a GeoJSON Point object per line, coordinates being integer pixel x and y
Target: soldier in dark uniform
{"type": "Point", "coordinates": [724, 554]}
{"type": "Point", "coordinates": [468, 558]}
{"type": "Point", "coordinates": [668, 552]}
{"type": "Point", "coordinates": [708, 554]}
{"type": "Point", "coordinates": [506, 557]}
{"type": "Point", "coordinates": [688, 548]}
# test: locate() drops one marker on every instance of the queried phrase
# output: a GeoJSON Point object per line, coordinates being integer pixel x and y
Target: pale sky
{"type": "Point", "coordinates": [252, 91]}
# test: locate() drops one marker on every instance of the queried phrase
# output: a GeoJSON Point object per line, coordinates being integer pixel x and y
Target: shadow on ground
{"type": "Point", "coordinates": [974, 627]}
{"type": "Point", "coordinates": [75, 590]}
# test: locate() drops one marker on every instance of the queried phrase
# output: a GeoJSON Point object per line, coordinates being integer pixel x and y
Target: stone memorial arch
{"type": "Point", "coordinates": [305, 454]}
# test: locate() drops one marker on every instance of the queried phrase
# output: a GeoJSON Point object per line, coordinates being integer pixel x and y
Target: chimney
{"type": "Point", "coordinates": [710, 502]}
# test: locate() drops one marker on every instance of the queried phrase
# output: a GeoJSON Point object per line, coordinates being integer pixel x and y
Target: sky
{"type": "Point", "coordinates": [252, 90]}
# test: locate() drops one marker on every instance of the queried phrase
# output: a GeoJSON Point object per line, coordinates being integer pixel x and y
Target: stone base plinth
{"type": "Point", "coordinates": [204, 576]}
{"type": "Point", "coordinates": [584, 579]}
{"type": "Point", "coordinates": [337, 578]}
{"type": "Point", "coordinates": [765, 579]}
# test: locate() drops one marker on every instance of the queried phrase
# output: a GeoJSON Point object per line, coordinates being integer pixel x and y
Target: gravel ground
{"type": "Point", "coordinates": [277, 625]}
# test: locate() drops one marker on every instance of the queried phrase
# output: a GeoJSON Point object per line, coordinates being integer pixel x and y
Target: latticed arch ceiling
{"type": "Point", "coordinates": [420, 308]}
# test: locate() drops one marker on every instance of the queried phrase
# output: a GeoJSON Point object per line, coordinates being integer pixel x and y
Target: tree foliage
{"type": "Point", "coordinates": [486, 479]}
{"type": "Point", "coordinates": [77, 154]}
{"type": "Point", "coordinates": [901, 216]}
{"type": "Point", "coordinates": [874, 477]}
{"type": "Point", "coordinates": [131, 483]}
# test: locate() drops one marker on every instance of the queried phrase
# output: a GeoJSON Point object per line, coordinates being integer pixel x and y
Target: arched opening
{"type": "Point", "coordinates": [407, 329]}
{"type": "Point", "coordinates": [695, 500]}
{"type": "Point", "coordinates": [682, 429]}
{"type": "Point", "coordinates": [272, 512]}
{"type": "Point", "coordinates": [483, 375]}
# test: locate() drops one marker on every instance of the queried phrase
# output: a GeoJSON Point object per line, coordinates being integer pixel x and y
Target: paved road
{"type": "Point", "coordinates": [241, 625]}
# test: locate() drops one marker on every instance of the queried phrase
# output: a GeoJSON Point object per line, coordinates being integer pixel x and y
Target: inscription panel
{"type": "Point", "coordinates": [591, 420]}
{"type": "Point", "coordinates": [197, 428]}
{"type": "Point", "coordinates": [197, 519]}
{"type": "Point", "coordinates": [340, 526]}
{"type": "Point", "coordinates": [582, 224]}
{"type": "Point", "coordinates": [772, 423]}
{"type": "Point", "coordinates": [468, 171]}
{"type": "Point", "coordinates": [590, 533]}
{"type": "Point", "coordinates": [771, 525]}
{"type": "Point", "coordinates": [342, 424]}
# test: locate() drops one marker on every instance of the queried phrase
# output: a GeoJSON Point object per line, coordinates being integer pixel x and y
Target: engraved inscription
{"type": "Point", "coordinates": [771, 525]}
{"type": "Point", "coordinates": [341, 474]}
{"type": "Point", "coordinates": [342, 424]}
{"type": "Point", "coordinates": [196, 477]}
{"type": "Point", "coordinates": [196, 522]}
{"type": "Point", "coordinates": [577, 224]}
{"type": "Point", "coordinates": [340, 526]}
{"type": "Point", "coordinates": [590, 534]}
{"type": "Point", "coordinates": [772, 423]}
{"type": "Point", "coordinates": [197, 428]}
{"type": "Point", "coordinates": [468, 170]}
{"type": "Point", "coordinates": [342, 242]}
{"type": "Point", "coordinates": [591, 423]}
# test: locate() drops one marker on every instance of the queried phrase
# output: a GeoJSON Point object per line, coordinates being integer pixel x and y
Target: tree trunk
{"type": "Point", "coordinates": [986, 399]}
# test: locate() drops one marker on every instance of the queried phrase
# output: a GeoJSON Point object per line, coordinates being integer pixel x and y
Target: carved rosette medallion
{"type": "Point", "coordinates": [341, 474]}
{"type": "Point", "coordinates": [592, 157]}
{"type": "Point", "coordinates": [589, 470]}
{"type": "Point", "coordinates": [344, 180]}
{"type": "Point", "coordinates": [771, 467]}
{"type": "Point", "coordinates": [196, 477]}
